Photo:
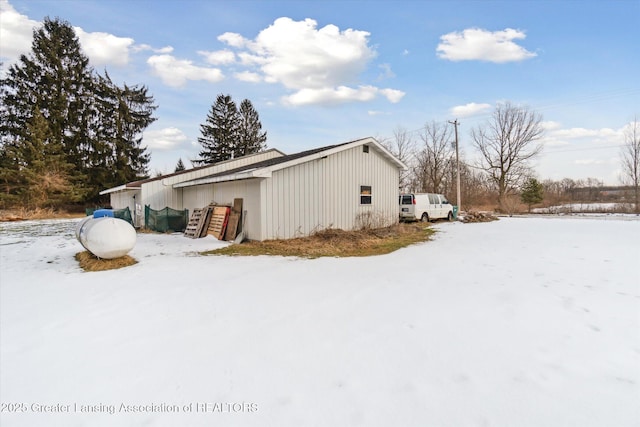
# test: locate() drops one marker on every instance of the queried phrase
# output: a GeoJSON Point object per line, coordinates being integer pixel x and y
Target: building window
{"type": "Point", "coordinates": [365, 148]}
{"type": "Point", "coordinates": [365, 194]}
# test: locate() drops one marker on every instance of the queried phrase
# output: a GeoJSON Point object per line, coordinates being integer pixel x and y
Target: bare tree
{"type": "Point", "coordinates": [434, 157]}
{"type": "Point", "coordinates": [506, 143]}
{"type": "Point", "coordinates": [631, 159]}
{"type": "Point", "coordinates": [403, 147]}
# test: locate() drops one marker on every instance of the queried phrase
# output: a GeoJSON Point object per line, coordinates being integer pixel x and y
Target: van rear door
{"type": "Point", "coordinates": [407, 207]}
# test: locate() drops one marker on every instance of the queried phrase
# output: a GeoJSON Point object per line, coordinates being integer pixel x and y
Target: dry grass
{"type": "Point", "coordinates": [23, 214]}
{"type": "Point", "coordinates": [336, 243]}
{"type": "Point", "coordinates": [90, 262]}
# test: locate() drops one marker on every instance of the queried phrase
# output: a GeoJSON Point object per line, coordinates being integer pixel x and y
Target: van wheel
{"type": "Point", "coordinates": [425, 217]}
{"type": "Point", "coordinates": [450, 217]}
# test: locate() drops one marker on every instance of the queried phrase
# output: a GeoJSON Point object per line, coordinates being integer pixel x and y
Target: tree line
{"type": "Point", "coordinates": [68, 132]}
{"type": "Point", "coordinates": [503, 176]}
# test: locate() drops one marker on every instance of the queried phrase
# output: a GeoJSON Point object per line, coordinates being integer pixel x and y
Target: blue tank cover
{"type": "Point", "coordinates": [100, 213]}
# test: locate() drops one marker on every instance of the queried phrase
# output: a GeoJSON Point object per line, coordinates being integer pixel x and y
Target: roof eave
{"type": "Point", "coordinates": [216, 179]}
{"type": "Point", "coordinates": [117, 189]}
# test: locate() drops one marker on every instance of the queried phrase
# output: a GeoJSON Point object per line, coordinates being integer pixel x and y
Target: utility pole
{"type": "Point", "coordinates": [455, 125]}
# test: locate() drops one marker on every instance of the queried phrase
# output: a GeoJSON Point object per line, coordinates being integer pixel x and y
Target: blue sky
{"type": "Point", "coordinates": [324, 72]}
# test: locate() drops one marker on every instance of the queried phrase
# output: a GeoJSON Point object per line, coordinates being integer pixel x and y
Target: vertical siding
{"type": "Point", "coordinates": [124, 199]}
{"type": "Point", "coordinates": [223, 193]}
{"type": "Point", "coordinates": [292, 197]}
{"type": "Point", "coordinates": [160, 193]}
{"type": "Point", "coordinates": [325, 193]}
{"type": "Point", "coordinates": [249, 191]}
{"type": "Point", "coordinates": [197, 196]}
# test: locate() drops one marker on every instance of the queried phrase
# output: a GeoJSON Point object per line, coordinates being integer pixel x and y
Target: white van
{"type": "Point", "coordinates": [424, 207]}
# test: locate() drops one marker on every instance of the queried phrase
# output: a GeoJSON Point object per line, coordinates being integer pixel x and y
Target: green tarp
{"type": "Point", "coordinates": [166, 219]}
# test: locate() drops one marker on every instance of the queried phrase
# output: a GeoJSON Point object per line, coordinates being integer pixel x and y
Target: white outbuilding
{"type": "Point", "coordinates": [345, 186]}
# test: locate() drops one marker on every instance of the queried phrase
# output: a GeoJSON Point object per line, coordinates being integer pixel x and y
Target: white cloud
{"type": "Point", "coordinates": [16, 32]}
{"type": "Point", "coordinates": [146, 47]}
{"type": "Point", "coordinates": [248, 76]}
{"type": "Point", "coordinates": [330, 96]}
{"type": "Point", "coordinates": [483, 45]}
{"type": "Point", "coordinates": [319, 65]}
{"type": "Point", "coordinates": [165, 139]}
{"type": "Point", "coordinates": [301, 56]}
{"type": "Point", "coordinates": [233, 39]}
{"type": "Point", "coordinates": [219, 57]}
{"type": "Point", "coordinates": [250, 60]}
{"type": "Point", "coordinates": [16, 35]}
{"type": "Point", "coordinates": [393, 95]}
{"type": "Point", "coordinates": [550, 125]}
{"type": "Point", "coordinates": [575, 133]}
{"type": "Point", "coordinates": [104, 48]}
{"type": "Point", "coordinates": [469, 109]}
{"type": "Point", "coordinates": [340, 95]}
{"type": "Point", "coordinates": [557, 136]}
{"type": "Point", "coordinates": [175, 72]}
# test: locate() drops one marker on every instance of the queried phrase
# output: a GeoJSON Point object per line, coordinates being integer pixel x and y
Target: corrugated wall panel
{"type": "Point", "coordinates": [197, 197]}
{"type": "Point", "coordinates": [223, 193]}
{"type": "Point", "coordinates": [160, 193]}
{"type": "Point", "coordinates": [249, 191]}
{"type": "Point", "coordinates": [326, 193]}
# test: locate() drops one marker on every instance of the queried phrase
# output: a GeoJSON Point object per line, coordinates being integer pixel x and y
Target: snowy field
{"type": "Point", "coordinates": [519, 322]}
{"type": "Point", "coordinates": [585, 208]}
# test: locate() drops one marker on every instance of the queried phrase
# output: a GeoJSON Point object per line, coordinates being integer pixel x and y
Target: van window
{"type": "Point", "coordinates": [433, 199]}
{"type": "Point", "coordinates": [406, 199]}
{"type": "Point", "coordinates": [444, 200]}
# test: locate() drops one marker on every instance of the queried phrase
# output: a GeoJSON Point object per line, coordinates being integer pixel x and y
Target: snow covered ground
{"type": "Point", "coordinates": [518, 322]}
{"type": "Point", "coordinates": [585, 207]}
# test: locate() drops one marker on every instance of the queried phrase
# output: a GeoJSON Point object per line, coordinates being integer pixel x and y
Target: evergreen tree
{"type": "Point", "coordinates": [123, 114]}
{"type": "Point", "coordinates": [251, 139]}
{"type": "Point", "coordinates": [179, 166]}
{"type": "Point", "coordinates": [220, 132]}
{"type": "Point", "coordinates": [229, 132]}
{"type": "Point", "coordinates": [55, 81]}
{"type": "Point", "coordinates": [57, 78]}
{"type": "Point", "coordinates": [46, 172]}
{"type": "Point", "coordinates": [532, 192]}
{"type": "Point", "coordinates": [93, 131]}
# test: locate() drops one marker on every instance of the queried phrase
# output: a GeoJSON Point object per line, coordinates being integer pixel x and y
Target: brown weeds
{"type": "Point", "coordinates": [334, 242]}
{"type": "Point", "coordinates": [90, 262]}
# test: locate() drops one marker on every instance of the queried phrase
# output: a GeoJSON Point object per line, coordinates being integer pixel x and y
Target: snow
{"type": "Point", "coordinates": [583, 207]}
{"type": "Point", "coordinates": [522, 321]}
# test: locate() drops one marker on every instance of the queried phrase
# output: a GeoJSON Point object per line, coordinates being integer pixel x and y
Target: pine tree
{"type": "Point", "coordinates": [54, 80]}
{"type": "Point", "coordinates": [179, 166]}
{"type": "Point", "coordinates": [91, 123]}
{"type": "Point", "coordinates": [532, 192]}
{"type": "Point", "coordinates": [123, 114]}
{"type": "Point", "coordinates": [229, 132]}
{"type": "Point", "coordinates": [47, 173]}
{"type": "Point", "coordinates": [251, 139]}
{"type": "Point", "coordinates": [220, 132]}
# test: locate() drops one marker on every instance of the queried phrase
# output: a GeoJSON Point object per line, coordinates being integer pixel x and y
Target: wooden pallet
{"type": "Point", "coordinates": [218, 223]}
{"type": "Point", "coordinates": [204, 224]}
{"type": "Point", "coordinates": [198, 223]}
{"type": "Point", "coordinates": [193, 227]}
{"type": "Point", "coordinates": [234, 226]}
